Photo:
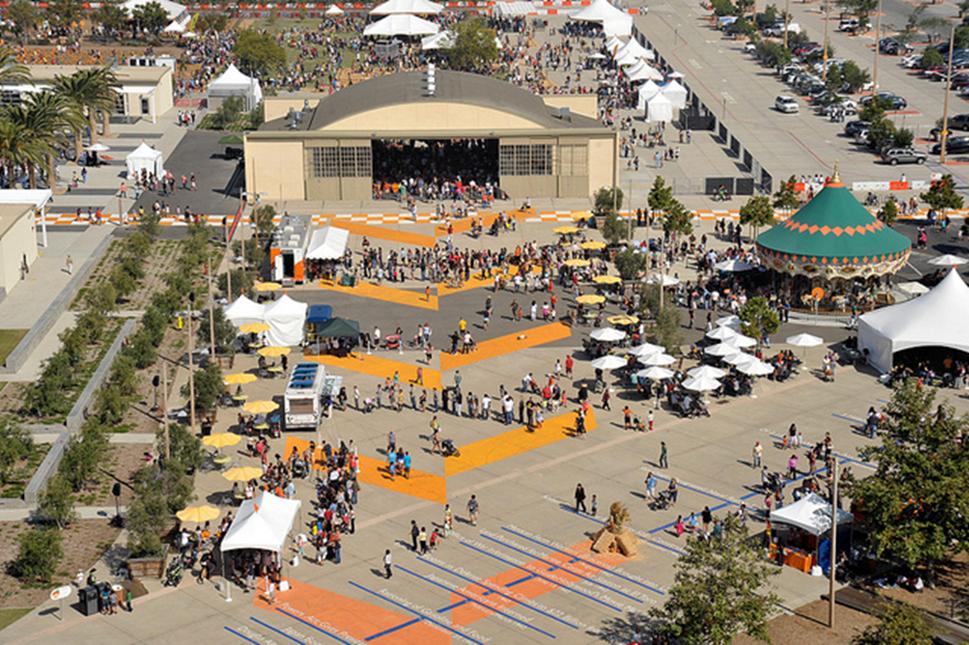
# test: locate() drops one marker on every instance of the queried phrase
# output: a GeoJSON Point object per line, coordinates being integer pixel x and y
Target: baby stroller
{"type": "Point", "coordinates": [392, 342]}
{"type": "Point", "coordinates": [173, 574]}
{"type": "Point", "coordinates": [662, 501]}
{"type": "Point", "coordinates": [448, 449]}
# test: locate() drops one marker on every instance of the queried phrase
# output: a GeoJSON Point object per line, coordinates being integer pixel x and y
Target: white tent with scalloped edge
{"type": "Point", "coordinates": [261, 523]}
{"type": "Point", "coordinates": [676, 93]}
{"type": "Point", "coordinates": [146, 158]}
{"type": "Point", "coordinates": [232, 82]}
{"type": "Point", "coordinates": [415, 7]}
{"type": "Point", "coordinates": [401, 25]}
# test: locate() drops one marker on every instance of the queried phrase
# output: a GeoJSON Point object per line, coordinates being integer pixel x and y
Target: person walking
{"type": "Point", "coordinates": [473, 510]}
{"type": "Point", "coordinates": [69, 265]}
{"type": "Point", "coordinates": [388, 570]}
{"type": "Point", "coordinates": [422, 540]}
{"type": "Point", "coordinates": [569, 364]}
{"type": "Point", "coordinates": [758, 455]}
{"type": "Point", "coordinates": [414, 533]}
{"type": "Point", "coordinates": [663, 455]}
{"type": "Point", "coordinates": [792, 467]}
{"type": "Point", "coordinates": [707, 519]}
{"type": "Point", "coordinates": [580, 498]}
{"type": "Point", "coordinates": [650, 486]}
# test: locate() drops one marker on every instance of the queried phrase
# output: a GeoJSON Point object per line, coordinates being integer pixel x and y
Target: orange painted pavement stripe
{"type": "Point", "coordinates": [380, 367]}
{"type": "Point", "coordinates": [514, 442]}
{"type": "Point", "coordinates": [420, 484]}
{"type": "Point", "coordinates": [355, 618]}
{"type": "Point", "coordinates": [365, 289]}
{"type": "Point", "coordinates": [392, 235]}
{"type": "Point", "coordinates": [508, 344]}
{"type": "Point", "coordinates": [476, 282]}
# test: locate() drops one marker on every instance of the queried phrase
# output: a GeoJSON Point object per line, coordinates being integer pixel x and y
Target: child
{"type": "Point", "coordinates": [650, 420]}
{"type": "Point", "coordinates": [434, 538]}
{"type": "Point", "coordinates": [595, 505]}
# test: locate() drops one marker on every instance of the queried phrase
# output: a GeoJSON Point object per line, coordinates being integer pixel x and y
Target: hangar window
{"type": "Point", "coordinates": [341, 162]}
{"type": "Point", "coordinates": [525, 159]}
{"type": "Point", "coordinates": [326, 162]}
{"type": "Point", "coordinates": [573, 161]}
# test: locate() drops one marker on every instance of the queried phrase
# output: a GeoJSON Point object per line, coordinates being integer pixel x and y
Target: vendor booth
{"type": "Point", "coordinates": [316, 317]}
{"type": "Point", "coordinates": [659, 109]}
{"type": "Point", "coordinates": [676, 93]}
{"type": "Point", "coordinates": [337, 336]}
{"type": "Point", "coordinates": [287, 250]}
{"type": "Point", "coordinates": [144, 158]}
{"type": "Point", "coordinates": [940, 318]}
{"type": "Point", "coordinates": [233, 82]}
{"type": "Point", "coordinates": [802, 529]}
{"type": "Point", "coordinates": [244, 311]}
{"type": "Point", "coordinates": [285, 318]}
{"type": "Point", "coordinates": [327, 248]}
{"type": "Point", "coordinates": [614, 21]}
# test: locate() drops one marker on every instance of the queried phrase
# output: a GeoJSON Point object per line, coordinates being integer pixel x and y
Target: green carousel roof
{"type": "Point", "coordinates": [833, 228]}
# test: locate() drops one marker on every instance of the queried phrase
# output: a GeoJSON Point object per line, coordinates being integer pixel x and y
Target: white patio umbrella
{"type": "Point", "coordinates": [721, 333]}
{"type": "Point", "coordinates": [607, 334]}
{"type": "Point", "coordinates": [728, 321]}
{"type": "Point", "coordinates": [733, 265]}
{"type": "Point", "coordinates": [657, 359]}
{"type": "Point", "coordinates": [706, 371]}
{"type": "Point", "coordinates": [662, 278]}
{"type": "Point", "coordinates": [725, 348]}
{"type": "Point", "coordinates": [755, 368]}
{"type": "Point", "coordinates": [947, 260]}
{"type": "Point", "coordinates": [736, 359]}
{"type": "Point", "coordinates": [742, 341]}
{"type": "Point", "coordinates": [655, 373]}
{"type": "Point", "coordinates": [609, 362]}
{"type": "Point", "coordinates": [97, 147]}
{"type": "Point", "coordinates": [674, 75]}
{"type": "Point", "coordinates": [804, 340]}
{"type": "Point", "coordinates": [701, 384]}
{"type": "Point", "coordinates": [645, 349]}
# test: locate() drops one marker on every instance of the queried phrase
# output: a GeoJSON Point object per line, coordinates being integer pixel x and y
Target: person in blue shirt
{"type": "Point", "coordinates": [407, 465]}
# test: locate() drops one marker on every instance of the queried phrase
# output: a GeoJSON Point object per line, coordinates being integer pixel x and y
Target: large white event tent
{"type": "Point", "coordinates": [333, 10]}
{"type": "Point", "coordinates": [676, 93]}
{"type": "Point", "coordinates": [244, 310]}
{"type": "Point", "coordinates": [633, 51]}
{"type": "Point", "coordinates": [328, 243]}
{"type": "Point", "coordinates": [642, 71]}
{"type": "Point", "coordinates": [811, 513]}
{"type": "Point", "coordinates": [286, 319]}
{"type": "Point", "coordinates": [440, 40]}
{"type": "Point", "coordinates": [144, 157]}
{"type": "Point", "coordinates": [512, 9]}
{"type": "Point", "coordinates": [647, 90]}
{"type": "Point", "coordinates": [659, 109]}
{"type": "Point", "coordinates": [401, 25]}
{"type": "Point", "coordinates": [262, 523]}
{"type": "Point", "coordinates": [614, 21]}
{"type": "Point", "coordinates": [232, 82]}
{"type": "Point", "coordinates": [613, 45]}
{"type": "Point", "coordinates": [416, 7]}
{"type": "Point", "coordinates": [936, 319]}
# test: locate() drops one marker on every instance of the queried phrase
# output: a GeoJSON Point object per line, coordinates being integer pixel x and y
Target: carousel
{"type": "Point", "coordinates": [833, 253]}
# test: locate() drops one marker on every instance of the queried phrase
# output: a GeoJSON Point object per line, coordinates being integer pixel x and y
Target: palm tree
{"type": "Point", "coordinates": [46, 116]}
{"type": "Point", "coordinates": [102, 98]}
{"type": "Point", "coordinates": [75, 90]}
{"type": "Point", "coordinates": [16, 150]}
{"type": "Point", "coordinates": [11, 70]}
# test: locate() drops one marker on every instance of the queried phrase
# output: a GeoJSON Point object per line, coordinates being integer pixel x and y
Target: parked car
{"type": "Point", "coordinates": [954, 145]}
{"type": "Point", "coordinates": [894, 101]}
{"type": "Point", "coordinates": [861, 137]}
{"type": "Point", "coordinates": [786, 104]}
{"type": "Point", "coordinates": [806, 49]}
{"type": "Point", "coordinates": [849, 25]}
{"type": "Point", "coordinates": [848, 106]}
{"type": "Point", "coordinates": [893, 47]}
{"type": "Point", "coordinates": [854, 127]}
{"type": "Point", "coordinates": [911, 61]}
{"type": "Point", "coordinates": [895, 156]}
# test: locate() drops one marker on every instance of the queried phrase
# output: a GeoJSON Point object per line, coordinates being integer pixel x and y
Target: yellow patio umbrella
{"type": "Point", "coordinates": [253, 328]}
{"type": "Point", "coordinates": [623, 319]}
{"type": "Point", "coordinates": [198, 514]}
{"type": "Point", "coordinates": [274, 351]}
{"type": "Point", "coordinates": [581, 215]}
{"type": "Point", "coordinates": [592, 246]}
{"type": "Point", "coordinates": [590, 299]}
{"type": "Point", "coordinates": [267, 286]}
{"type": "Point", "coordinates": [221, 440]}
{"type": "Point", "coordinates": [566, 230]}
{"type": "Point", "coordinates": [607, 279]}
{"type": "Point", "coordinates": [576, 263]}
{"type": "Point", "coordinates": [260, 407]}
{"type": "Point", "coordinates": [239, 378]}
{"type": "Point", "coordinates": [243, 473]}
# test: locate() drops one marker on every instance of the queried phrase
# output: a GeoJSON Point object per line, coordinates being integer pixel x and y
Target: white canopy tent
{"type": "Point", "coordinates": [262, 523]}
{"type": "Point", "coordinates": [416, 7]}
{"type": "Point", "coordinates": [614, 21]}
{"type": "Point", "coordinates": [440, 40]}
{"type": "Point", "coordinates": [618, 27]}
{"type": "Point", "coordinates": [659, 109]}
{"type": "Point", "coordinates": [401, 25]}
{"type": "Point", "coordinates": [328, 243]}
{"type": "Point", "coordinates": [811, 513]}
{"type": "Point", "coordinates": [642, 71]}
{"type": "Point", "coordinates": [144, 157]}
{"type": "Point", "coordinates": [244, 310]}
{"type": "Point", "coordinates": [676, 93]}
{"type": "Point", "coordinates": [936, 319]}
{"type": "Point", "coordinates": [647, 90]}
{"type": "Point", "coordinates": [286, 318]}
{"type": "Point", "coordinates": [513, 9]}
{"type": "Point", "coordinates": [232, 82]}
{"type": "Point", "coordinates": [634, 49]}
{"type": "Point", "coordinates": [613, 45]}
{"type": "Point", "coordinates": [333, 10]}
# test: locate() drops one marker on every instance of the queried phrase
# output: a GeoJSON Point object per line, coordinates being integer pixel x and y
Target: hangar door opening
{"type": "Point", "coordinates": [435, 169]}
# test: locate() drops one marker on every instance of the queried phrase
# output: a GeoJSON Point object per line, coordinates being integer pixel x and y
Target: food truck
{"type": "Point", "coordinates": [308, 385]}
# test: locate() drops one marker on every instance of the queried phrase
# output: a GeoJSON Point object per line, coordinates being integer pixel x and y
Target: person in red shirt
{"type": "Point", "coordinates": [569, 364]}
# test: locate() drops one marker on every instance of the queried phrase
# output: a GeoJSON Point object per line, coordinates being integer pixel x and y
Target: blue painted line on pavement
{"type": "Point", "coordinates": [588, 579]}
{"type": "Point", "coordinates": [490, 591]}
{"type": "Point", "coordinates": [583, 560]}
{"type": "Point", "coordinates": [697, 490]}
{"type": "Point", "coordinates": [545, 578]}
{"type": "Point", "coordinates": [278, 631]}
{"type": "Point", "coordinates": [846, 417]}
{"type": "Point", "coordinates": [414, 612]}
{"type": "Point", "coordinates": [475, 601]}
{"type": "Point", "coordinates": [391, 630]}
{"type": "Point", "coordinates": [461, 603]}
{"type": "Point", "coordinates": [316, 627]}
{"type": "Point", "coordinates": [245, 638]}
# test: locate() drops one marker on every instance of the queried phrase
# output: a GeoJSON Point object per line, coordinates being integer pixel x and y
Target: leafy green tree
{"type": "Point", "coordinates": [719, 591]}
{"type": "Point", "coordinates": [888, 213]}
{"type": "Point", "coordinates": [614, 229]}
{"type": "Point", "coordinates": [785, 198]}
{"type": "Point", "coordinates": [607, 200]}
{"type": "Point", "coordinates": [630, 264]}
{"type": "Point", "coordinates": [873, 110]}
{"type": "Point", "coordinates": [259, 54]}
{"type": "Point", "coordinates": [724, 8]}
{"type": "Point", "coordinates": [211, 22]}
{"type": "Point", "coordinates": [146, 516]}
{"type": "Point", "coordinates": [225, 331]}
{"type": "Point", "coordinates": [942, 195]}
{"type": "Point", "coordinates": [677, 220]}
{"type": "Point", "coordinates": [57, 502]}
{"type": "Point", "coordinates": [63, 14]}
{"type": "Point", "coordinates": [38, 555]}
{"type": "Point", "coordinates": [757, 212]}
{"type": "Point", "coordinates": [24, 17]}
{"type": "Point", "coordinates": [186, 448]}
{"type": "Point", "coordinates": [963, 7]}
{"type": "Point", "coordinates": [669, 328]}
{"type": "Point", "coordinates": [475, 48]}
{"type": "Point", "coordinates": [881, 133]}
{"type": "Point", "coordinates": [263, 217]}
{"type": "Point", "coordinates": [853, 77]}
{"type": "Point", "coordinates": [208, 386]}
{"type": "Point", "coordinates": [112, 17]}
{"type": "Point", "coordinates": [83, 455]}
{"type": "Point", "coordinates": [149, 18]}
{"type": "Point", "coordinates": [903, 138]}
{"type": "Point", "coordinates": [932, 57]}
{"type": "Point", "coordinates": [758, 319]}
{"type": "Point", "coordinates": [899, 624]}
{"type": "Point", "coordinates": [915, 504]}
{"type": "Point", "coordinates": [773, 54]}
{"type": "Point", "coordinates": [660, 196]}
{"type": "Point", "coordinates": [15, 444]}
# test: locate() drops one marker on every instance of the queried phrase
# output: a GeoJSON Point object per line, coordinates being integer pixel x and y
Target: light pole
{"type": "Point", "coordinates": [874, 67]}
{"type": "Point", "coordinates": [787, 19]}
{"type": "Point", "coordinates": [208, 272]}
{"type": "Point", "coordinates": [824, 50]}
{"type": "Point", "coordinates": [834, 544]}
{"type": "Point", "coordinates": [191, 365]}
{"type": "Point", "coordinates": [944, 137]}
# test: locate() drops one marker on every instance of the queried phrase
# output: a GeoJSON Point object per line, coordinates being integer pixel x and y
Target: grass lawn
{"type": "Point", "coordinates": [8, 340]}
{"type": "Point", "coordinates": [10, 616]}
